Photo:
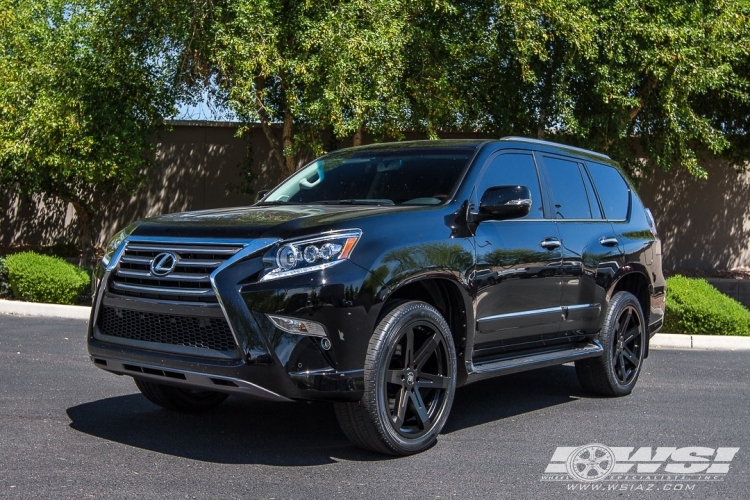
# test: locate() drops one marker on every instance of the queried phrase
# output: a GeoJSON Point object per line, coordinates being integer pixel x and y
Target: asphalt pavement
{"type": "Point", "coordinates": [70, 430]}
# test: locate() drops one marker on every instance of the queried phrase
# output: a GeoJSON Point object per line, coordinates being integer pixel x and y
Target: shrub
{"type": "Point", "coordinates": [4, 283]}
{"type": "Point", "coordinates": [695, 307]}
{"type": "Point", "coordinates": [41, 278]}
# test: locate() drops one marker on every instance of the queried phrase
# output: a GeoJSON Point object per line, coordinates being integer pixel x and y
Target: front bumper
{"type": "Point", "coordinates": [262, 382]}
{"type": "Point", "coordinates": [266, 363]}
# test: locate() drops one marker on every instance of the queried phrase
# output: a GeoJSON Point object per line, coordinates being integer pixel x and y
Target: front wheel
{"type": "Point", "coordinates": [177, 399]}
{"type": "Point", "coordinates": [623, 337]}
{"type": "Point", "coordinates": [410, 379]}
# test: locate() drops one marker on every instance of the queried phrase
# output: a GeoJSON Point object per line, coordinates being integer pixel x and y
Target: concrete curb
{"type": "Point", "coordinates": [44, 310]}
{"type": "Point", "coordinates": [659, 341]}
{"type": "Point", "coordinates": [705, 342]}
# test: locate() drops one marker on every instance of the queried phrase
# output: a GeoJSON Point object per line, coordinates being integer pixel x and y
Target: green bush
{"type": "Point", "coordinates": [695, 307]}
{"type": "Point", "coordinates": [4, 283]}
{"type": "Point", "coordinates": [41, 278]}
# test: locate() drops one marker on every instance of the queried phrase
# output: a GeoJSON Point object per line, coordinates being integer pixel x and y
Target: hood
{"type": "Point", "coordinates": [264, 221]}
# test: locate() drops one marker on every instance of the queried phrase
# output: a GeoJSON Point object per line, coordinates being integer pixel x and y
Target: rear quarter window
{"type": "Point", "coordinates": [614, 192]}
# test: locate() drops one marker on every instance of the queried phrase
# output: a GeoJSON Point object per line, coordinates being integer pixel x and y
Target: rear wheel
{"type": "Point", "coordinates": [177, 399]}
{"type": "Point", "coordinates": [410, 379]}
{"type": "Point", "coordinates": [623, 338]}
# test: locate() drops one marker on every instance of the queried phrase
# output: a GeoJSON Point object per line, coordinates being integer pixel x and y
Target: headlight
{"type": "Point", "coordinates": [293, 257]}
{"type": "Point", "coordinates": [116, 241]}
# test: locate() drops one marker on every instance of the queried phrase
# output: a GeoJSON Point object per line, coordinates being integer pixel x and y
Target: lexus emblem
{"type": "Point", "coordinates": [163, 264]}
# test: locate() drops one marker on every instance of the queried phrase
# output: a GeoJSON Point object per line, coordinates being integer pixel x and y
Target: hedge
{"type": "Point", "coordinates": [695, 307]}
{"type": "Point", "coordinates": [5, 291]}
{"type": "Point", "coordinates": [42, 278]}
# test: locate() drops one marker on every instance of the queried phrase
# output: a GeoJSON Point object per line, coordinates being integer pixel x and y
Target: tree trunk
{"type": "Point", "coordinates": [357, 139]}
{"type": "Point", "coordinates": [85, 216]}
{"type": "Point", "coordinates": [540, 129]}
{"type": "Point", "coordinates": [642, 93]}
{"type": "Point", "coordinates": [277, 151]}
{"type": "Point", "coordinates": [287, 137]}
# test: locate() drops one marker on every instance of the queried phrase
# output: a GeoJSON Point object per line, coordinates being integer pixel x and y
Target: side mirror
{"type": "Point", "coordinates": [504, 202]}
{"type": "Point", "coordinates": [261, 194]}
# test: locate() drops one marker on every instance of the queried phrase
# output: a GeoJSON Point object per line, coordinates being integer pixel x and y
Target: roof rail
{"type": "Point", "coordinates": [554, 144]}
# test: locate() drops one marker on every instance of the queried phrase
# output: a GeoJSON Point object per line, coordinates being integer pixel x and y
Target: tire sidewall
{"type": "Point", "coordinates": [382, 346]}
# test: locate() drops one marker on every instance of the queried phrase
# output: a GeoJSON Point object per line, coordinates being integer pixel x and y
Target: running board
{"type": "Point", "coordinates": [508, 366]}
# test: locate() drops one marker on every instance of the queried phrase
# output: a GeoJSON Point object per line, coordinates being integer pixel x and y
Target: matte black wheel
{"type": "Point", "coordinates": [410, 379]}
{"type": "Point", "coordinates": [623, 337]}
{"type": "Point", "coordinates": [182, 400]}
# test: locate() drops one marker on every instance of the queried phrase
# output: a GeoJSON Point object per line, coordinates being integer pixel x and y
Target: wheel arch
{"type": "Point", "coordinates": [636, 282]}
{"type": "Point", "coordinates": [446, 295]}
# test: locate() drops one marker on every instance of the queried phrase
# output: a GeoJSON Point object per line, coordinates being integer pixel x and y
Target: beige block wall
{"type": "Point", "coordinates": [704, 224]}
{"type": "Point", "coordinates": [195, 163]}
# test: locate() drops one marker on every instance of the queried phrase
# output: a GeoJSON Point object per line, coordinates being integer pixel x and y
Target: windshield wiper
{"type": "Point", "coordinates": [354, 201]}
{"type": "Point", "coordinates": [276, 202]}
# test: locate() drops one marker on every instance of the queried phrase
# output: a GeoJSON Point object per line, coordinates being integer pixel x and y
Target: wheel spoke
{"type": "Point", "coordinates": [630, 356]}
{"type": "Point", "coordinates": [624, 324]}
{"type": "Point", "coordinates": [409, 353]}
{"type": "Point", "coordinates": [599, 460]}
{"type": "Point", "coordinates": [401, 404]}
{"type": "Point", "coordinates": [586, 469]}
{"type": "Point", "coordinates": [599, 469]}
{"type": "Point", "coordinates": [621, 365]}
{"type": "Point", "coordinates": [395, 377]}
{"type": "Point", "coordinates": [426, 351]}
{"type": "Point", "coordinates": [430, 381]}
{"type": "Point", "coordinates": [631, 334]}
{"type": "Point", "coordinates": [420, 408]}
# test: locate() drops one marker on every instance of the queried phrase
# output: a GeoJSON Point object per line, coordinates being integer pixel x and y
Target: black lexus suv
{"type": "Point", "coordinates": [380, 278]}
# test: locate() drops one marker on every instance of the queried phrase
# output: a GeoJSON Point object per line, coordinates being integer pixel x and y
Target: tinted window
{"type": "Point", "coordinates": [514, 169]}
{"type": "Point", "coordinates": [613, 190]}
{"type": "Point", "coordinates": [417, 176]}
{"type": "Point", "coordinates": [568, 190]}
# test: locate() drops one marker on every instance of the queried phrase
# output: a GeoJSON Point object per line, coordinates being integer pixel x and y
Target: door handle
{"type": "Point", "coordinates": [550, 243]}
{"type": "Point", "coordinates": [608, 241]}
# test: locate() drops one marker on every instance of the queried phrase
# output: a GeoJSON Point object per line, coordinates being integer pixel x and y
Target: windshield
{"type": "Point", "coordinates": [413, 176]}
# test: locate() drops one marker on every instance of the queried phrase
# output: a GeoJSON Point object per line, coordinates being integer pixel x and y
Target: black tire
{"type": "Point", "coordinates": [623, 338]}
{"type": "Point", "coordinates": [410, 380]}
{"type": "Point", "coordinates": [182, 400]}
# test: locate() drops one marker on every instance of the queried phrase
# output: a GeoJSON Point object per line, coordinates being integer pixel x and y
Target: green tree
{"type": "Point", "coordinates": [669, 77]}
{"type": "Point", "coordinates": [667, 73]}
{"type": "Point", "coordinates": [312, 66]}
{"type": "Point", "coordinates": [84, 87]}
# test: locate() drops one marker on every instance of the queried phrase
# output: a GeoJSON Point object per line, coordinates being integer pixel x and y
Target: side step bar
{"type": "Point", "coordinates": [515, 365]}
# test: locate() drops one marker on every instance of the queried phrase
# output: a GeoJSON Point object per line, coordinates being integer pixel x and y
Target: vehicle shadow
{"type": "Point", "coordinates": [298, 434]}
{"type": "Point", "coordinates": [512, 395]}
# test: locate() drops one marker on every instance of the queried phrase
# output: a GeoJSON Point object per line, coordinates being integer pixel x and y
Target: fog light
{"type": "Point", "coordinates": [298, 326]}
{"type": "Point", "coordinates": [325, 344]}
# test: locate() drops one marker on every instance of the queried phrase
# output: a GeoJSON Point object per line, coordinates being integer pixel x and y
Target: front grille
{"type": "Point", "coordinates": [189, 331]}
{"type": "Point", "coordinates": [189, 281]}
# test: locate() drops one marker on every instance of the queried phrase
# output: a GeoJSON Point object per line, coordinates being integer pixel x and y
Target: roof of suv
{"type": "Point", "coordinates": [556, 145]}
{"type": "Point", "coordinates": [476, 143]}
